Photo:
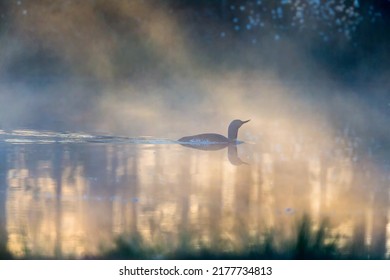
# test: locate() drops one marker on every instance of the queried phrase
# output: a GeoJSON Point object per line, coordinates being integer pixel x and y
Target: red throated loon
{"type": "Point", "coordinates": [213, 138]}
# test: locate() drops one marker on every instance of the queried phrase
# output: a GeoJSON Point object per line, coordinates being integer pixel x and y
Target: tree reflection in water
{"type": "Point", "coordinates": [70, 200]}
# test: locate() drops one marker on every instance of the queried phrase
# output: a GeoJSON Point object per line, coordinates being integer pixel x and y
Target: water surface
{"type": "Point", "coordinates": [68, 195]}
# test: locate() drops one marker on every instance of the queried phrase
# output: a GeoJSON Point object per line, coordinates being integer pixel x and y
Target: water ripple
{"type": "Point", "coordinates": [50, 137]}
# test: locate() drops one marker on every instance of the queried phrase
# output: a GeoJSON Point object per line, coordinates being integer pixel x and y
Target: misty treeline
{"type": "Point", "coordinates": [344, 22]}
{"type": "Point", "coordinates": [59, 57]}
{"type": "Point", "coordinates": [50, 38]}
{"type": "Point", "coordinates": [340, 35]}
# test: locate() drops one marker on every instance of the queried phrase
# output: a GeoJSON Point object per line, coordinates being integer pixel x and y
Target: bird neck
{"type": "Point", "coordinates": [232, 133]}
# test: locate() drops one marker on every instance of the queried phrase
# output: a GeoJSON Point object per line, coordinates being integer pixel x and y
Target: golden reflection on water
{"type": "Point", "coordinates": [70, 200]}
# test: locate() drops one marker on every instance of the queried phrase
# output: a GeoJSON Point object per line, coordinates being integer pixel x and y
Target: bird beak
{"type": "Point", "coordinates": [245, 121]}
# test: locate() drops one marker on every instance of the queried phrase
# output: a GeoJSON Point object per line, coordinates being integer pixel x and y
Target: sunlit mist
{"type": "Point", "coordinates": [95, 94]}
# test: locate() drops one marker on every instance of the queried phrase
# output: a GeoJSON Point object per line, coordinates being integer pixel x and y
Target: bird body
{"type": "Point", "coordinates": [214, 138]}
{"type": "Point", "coordinates": [205, 137]}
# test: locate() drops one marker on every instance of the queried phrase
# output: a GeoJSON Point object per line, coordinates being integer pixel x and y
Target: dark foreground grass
{"type": "Point", "coordinates": [4, 253]}
{"type": "Point", "coordinates": [306, 244]}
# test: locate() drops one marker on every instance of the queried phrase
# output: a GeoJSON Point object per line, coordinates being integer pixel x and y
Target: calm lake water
{"type": "Point", "coordinates": [70, 195]}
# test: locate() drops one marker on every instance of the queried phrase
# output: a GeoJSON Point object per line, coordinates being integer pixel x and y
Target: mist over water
{"type": "Point", "coordinates": [120, 67]}
{"type": "Point", "coordinates": [312, 76]}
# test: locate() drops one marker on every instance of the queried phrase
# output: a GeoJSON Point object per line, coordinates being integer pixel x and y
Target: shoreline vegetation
{"type": "Point", "coordinates": [307, 243]}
